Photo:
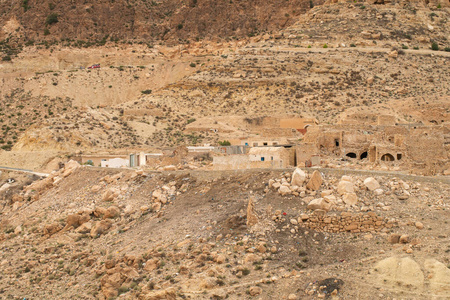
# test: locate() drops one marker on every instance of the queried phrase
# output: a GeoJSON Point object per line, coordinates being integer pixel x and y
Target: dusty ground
{"type": "Point", "coordinates": [198, 245]}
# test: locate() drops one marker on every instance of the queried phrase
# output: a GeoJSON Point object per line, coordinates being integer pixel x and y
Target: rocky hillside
{"type": "Point", "coordinates": [199, 235]}
{"type": "Point", "coordinates": [96, 22]}
{"type": "Point", "coordinates": [336, 60]}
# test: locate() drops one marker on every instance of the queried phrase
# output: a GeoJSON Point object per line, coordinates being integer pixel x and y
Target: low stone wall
{"type": "Point", "coordinates": [346, 222]}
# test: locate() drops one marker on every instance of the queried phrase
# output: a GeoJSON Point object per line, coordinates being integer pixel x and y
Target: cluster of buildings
{"type": "Point", "coordinates": [423, 149]}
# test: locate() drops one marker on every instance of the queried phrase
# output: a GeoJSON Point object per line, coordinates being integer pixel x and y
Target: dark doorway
{"type": "Point", "coordinates": [351, 155]}
{"type": "Point", "coordinates": [363, 155]}
{"type": "Point", "coordinates": [387, 157]}
{"type": "Point", "coordinates": [399, 156]}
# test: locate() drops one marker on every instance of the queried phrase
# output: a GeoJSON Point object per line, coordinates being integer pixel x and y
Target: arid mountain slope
{"type": "Point", "coordinates": [145, 21]}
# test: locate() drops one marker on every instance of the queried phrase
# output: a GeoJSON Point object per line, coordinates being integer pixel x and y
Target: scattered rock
{"type": "Point", "coordinates": [255, 291]}
{"type": "Point", "coordinates": [298, 177]}
{"type": "Point", "coordinates": [315, 181]}
{"type": "Point", "coordinates": [371, 183]}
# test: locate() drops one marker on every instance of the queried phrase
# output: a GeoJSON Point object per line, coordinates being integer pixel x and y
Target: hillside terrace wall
{"type": "Point", "coordinates": [346, 222]}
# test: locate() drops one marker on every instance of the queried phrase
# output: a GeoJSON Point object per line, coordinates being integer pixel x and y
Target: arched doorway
{"type": "Point", "coordinates": [363, 155]}
{"type": "Point", "coordinates": [387, 157]}
{"type": "Point", "coordinates": [351, 155]}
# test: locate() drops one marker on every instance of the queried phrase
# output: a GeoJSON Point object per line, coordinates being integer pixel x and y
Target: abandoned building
{"type": "Point", "coordinates": [420, 147]}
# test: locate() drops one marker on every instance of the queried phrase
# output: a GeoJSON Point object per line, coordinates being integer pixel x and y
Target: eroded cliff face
{"type": "Point", "coordinates": [172, 20]}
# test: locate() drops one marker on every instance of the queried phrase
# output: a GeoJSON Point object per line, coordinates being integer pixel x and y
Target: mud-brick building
{"type": "Point", "coordinates": [424, 149]}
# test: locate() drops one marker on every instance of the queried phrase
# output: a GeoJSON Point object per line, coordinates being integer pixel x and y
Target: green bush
{"type": "Point", "coordinates": [404, 47]}
{"type": "Point", "coordinates": [325, 46]}
{"type": "Point", "coordinates": [191, 120]}
{"type": "Point", "coordinates": [146, 92]}
{"type": "Point", "coordinates": [434, 46]}
{"type": "Point", "coordinates": [447, 49]}
{"type": "Point", "coordinates": [352, 45]}
{"type": "Point", "coordinates": [192, 65]}
{"type": "Point", "coordinates": [51, 19]}
{"type": "Point", "coordinates": [224, 143]}
{"type": "Point", "coordinates": [46, 31]}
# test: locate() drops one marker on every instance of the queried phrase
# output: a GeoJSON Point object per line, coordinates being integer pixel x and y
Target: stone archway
{"type": "Point", "coordinates": [351, 155]}
{"type": "Point", "coordinates": [387, 157]}
{"type": "Point", "coordinates": [363, 155]}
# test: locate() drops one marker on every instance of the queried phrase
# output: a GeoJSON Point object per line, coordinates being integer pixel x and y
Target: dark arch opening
{"type": "Point", "coordinates": [399, 156]}
{"type": "Point", "coordinates": [363, 155]}
{"type": "Point", "coordinates": [387, 157]}
{"type": "Point", "coordinates": [351, 155]}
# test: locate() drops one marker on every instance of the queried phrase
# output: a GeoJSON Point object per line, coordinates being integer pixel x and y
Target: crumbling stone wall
{"type": "Point", "coordinates": [346, 222]}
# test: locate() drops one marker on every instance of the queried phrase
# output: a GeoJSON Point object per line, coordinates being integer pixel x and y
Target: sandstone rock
{"type": "Point", "coordinates": [276, 185]}
{"type": "Point", "coordinates": [143, 209]}
{"type": "Point", "coordinates": [111, 212]}
{"type": "Point", "coordinates": [393, 54]}
{"type": "Point", "coordinates": [419, 225]}
{"type": "Point", "coordinates": [345, 187]}
{"type": "Point", "coordinates": [99, 212]}
{"type": "Point", "coordinates": [403, 197]}
{"type": "Point", "coordinates": [255, 291]}
{"type": "Point", "coordinates": [371, 183]}
{"type": "Point", "coordinates": [151, 264]}
{"type": "Point", "coordinates": [378, 192]}
{"type": "Point", "coordinates": [252, 217]}
{"type": "Point", "coordinates": [298, 177]}
{"type": "Point", "coordinates": [404, 239]}
{"type": "Point", "coordinates": [156, 207]}
{"type": "Point", "coordinates": [100, 227]}
{"type": "Point", "coordinates": [326, 193]}
{"type": "Point", "coordinates": [292, 297]}
{"type": "Point", "coordinates": [84, 228]}
{"type": "Point", "coordinates": [284, 190]}
{"type": "Point", "coordinates": [399, 271]}
{"type": "Point", "coordinates": [220, 259]}
{"type": "Point", "coordinates": [440, 277]}
{"type": "Point", "coordinates": [110, 194]}
{"type": "Point", "coordinates": [167, 294]}
{"type": "Point", "coordinates": [347, 178]}
{"type": "Point", "coordinates": [320, 203]}
{"type": "Point", "coordinates": [96, 188]}
{"type": "Point", "coordinates": [315, 181]}
{"type": "Point", "coordinates": [394, 238]}
{"type": "Point", "coordinates": [170, 168]}
{"type": "Point", "coordinates": [110, 285]}
{"type": "Point", "coordinates": [251, 258]}
{"type": "Point", "coordinates": [4, 187]}
{"type": "Point", "coordinates": [350, 198]}
{"type": "Point", "coordinates": [73, 220]}
{"type": "Point", "coordinates": [294, 221]}
{"type": "Point", "coordinates": [52, 228]}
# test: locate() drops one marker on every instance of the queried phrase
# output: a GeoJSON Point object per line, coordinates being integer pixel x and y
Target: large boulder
{"type": "Point", "coordinates": [371, 183]}
{"type": "Point", "coordinates": [100, 227]}
{"type": "Point", "coordinates": [52, 228]}
{"type": "Point", "coordinates": [320, 203]}
{"type": "Point", "coordinates": [111, 212]}
{"type": "Point", "coordinates": [298, 177]}
{"type": "Point", "coordinates": [345, 187]}
{"type": "Point", "coordinates": [315, 181]}
{"type": "Point", "coordinates": [350, 198]}
{"type": "Point", "coordinates": [284, 190]}
{"type": "Point", "coordinates": [110, 194]}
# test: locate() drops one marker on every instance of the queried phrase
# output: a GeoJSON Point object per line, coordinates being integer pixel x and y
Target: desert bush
{"type": "Point", "coordinates": [51, 19]}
